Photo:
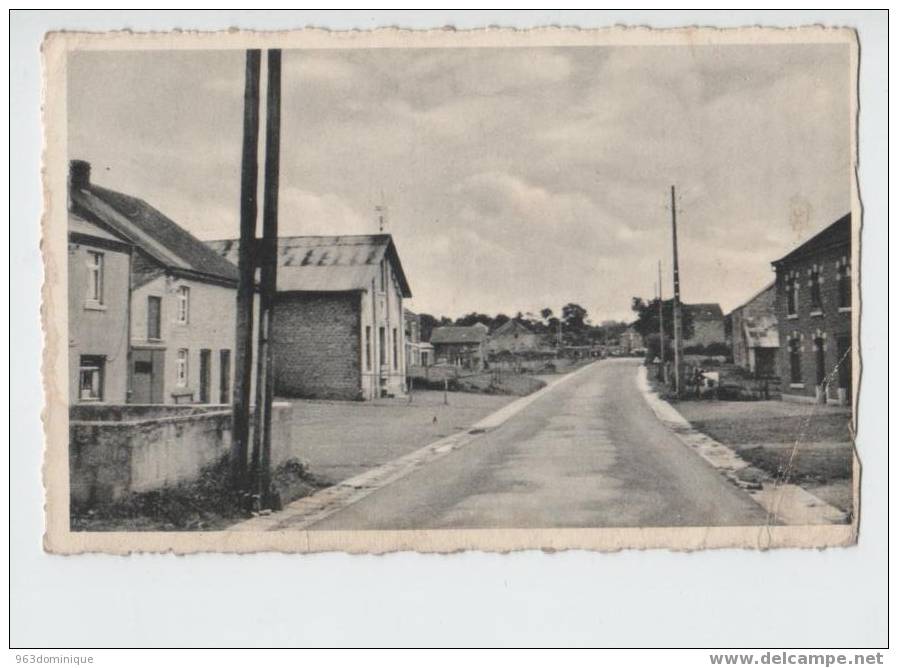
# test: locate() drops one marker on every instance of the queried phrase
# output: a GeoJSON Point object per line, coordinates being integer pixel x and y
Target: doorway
{"type": "Point", "coordinates": [224, 385]}
{"type": "Point", "coordinates": [147, 373]}
{"type": "Point", "coordinates": [205, 375]}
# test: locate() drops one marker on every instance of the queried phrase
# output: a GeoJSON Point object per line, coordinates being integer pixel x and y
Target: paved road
{"type": "Point", "coordinates": [589, 453]}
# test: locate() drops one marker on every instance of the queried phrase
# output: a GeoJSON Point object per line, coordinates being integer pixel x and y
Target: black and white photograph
{"type": "Point", "coordinates": [447, 291]}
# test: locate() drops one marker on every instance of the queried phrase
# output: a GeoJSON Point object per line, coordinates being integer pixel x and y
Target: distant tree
{"type": "Point", "coordinates": [574, 327]}
{"type": "Point", "coordinates": [473, 318]}
{"type": "Point", "coordinates": [499, 320]}
{"type": "Point", "coordinates": [546, 313]}
{"type": "Point", "coordinates": [647, 317]}
{"type": "Point", "coordinates": [428, 322]}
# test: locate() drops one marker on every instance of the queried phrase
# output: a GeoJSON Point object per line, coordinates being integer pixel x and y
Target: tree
{"type": "Point", "coordinates": [473, 318]}
{"type": "Point", "coordinates": [546, 313]}
{"type": "Point", "coordinates": [647, 317]}
{"type": "Point", "coordinates": [427, 322]}
{"type": "Point", "coordinates": [573, 319]}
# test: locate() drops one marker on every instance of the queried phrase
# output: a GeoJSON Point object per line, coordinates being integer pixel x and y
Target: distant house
{"type": "Point", "coordinates": [461, 346]}
{"type": "Point", "coordinates": [417, 352]}
{"type": "Point", "coordinates": [707, 325]}
{"type": "Point", "coordinates": [631, 340]}
{"type": "Point", "coordinates": [99, 280]}
{"type": "Point", "coordinates": [182, 308]}
{"type": "Point", "coordinates": [512, 337]}
{"type": "Point", "coordinates": [813, 310]}
{"type": "Point", "coordinates": [338, 326]}
{"type": "Point", "coordinates": [755, 333]}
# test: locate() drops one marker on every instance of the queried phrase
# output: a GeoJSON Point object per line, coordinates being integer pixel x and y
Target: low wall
{"type": "Point", "coordinates": [117, 450]}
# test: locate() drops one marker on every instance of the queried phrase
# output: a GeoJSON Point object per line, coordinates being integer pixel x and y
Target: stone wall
{"type": "Point", "coordinates": [117, 450]}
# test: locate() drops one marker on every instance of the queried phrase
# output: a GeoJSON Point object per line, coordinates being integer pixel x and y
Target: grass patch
{"type": "Point", "coordinates": [205, 504]}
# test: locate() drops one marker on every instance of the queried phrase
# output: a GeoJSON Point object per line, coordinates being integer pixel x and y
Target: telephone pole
{"type": "Point", "coordinates": [677, 325]}
{"type": "Point", "coordinates": [267, 257]}
{"type": "Point", "coordinates": [243, 358]}
{"type": "Point", "coordinates": [661, 322]}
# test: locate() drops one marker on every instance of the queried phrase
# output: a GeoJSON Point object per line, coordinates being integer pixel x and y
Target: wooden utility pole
{"type": "Point", "coordinates": [677, 325]}
{"type": "Point", "coordinates": [243, 358]}
{"type": "Point", "coordinates": [267, 257]}
{"type": "Point", "coordinates": [661, 322]}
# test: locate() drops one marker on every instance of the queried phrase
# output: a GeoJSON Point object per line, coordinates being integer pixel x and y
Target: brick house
{"type": "Point", "coordinates": [755, 333]}
{"type": "Point", "coordinates": [182, 299]}
{"type": "Point", "coordinates": [338, 326]}
{"type": "Point", "coordinates": [707, 325]}
{"type": "Point", "coordinates": [99, 278]}
{"type": "Point", "coordinates": [461, 346]}
{"type": "Point", "coordinates": [813, 309]}
{"type": "Point", "coordinates": [512, 337]}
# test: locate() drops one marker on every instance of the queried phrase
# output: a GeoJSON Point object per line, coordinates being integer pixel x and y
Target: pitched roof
{"type": "Point", "coordinates": [457, 334]}
{"type": "Point", "coordinates": [707, 311]}
{"type": "Point", "coordinates": [511, 327]}
{"type": "Point", "coordinates": [769, 286]}
{"type": "Point", "coordinates": [837, 234]}
{"type": "Point", "coordinates": [152, 232]}
{"type": "Point", "coordinates": [327, 263]}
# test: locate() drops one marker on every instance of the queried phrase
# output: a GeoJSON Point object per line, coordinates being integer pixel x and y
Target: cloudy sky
{"type": "Point", "coordinates": [515, 178]}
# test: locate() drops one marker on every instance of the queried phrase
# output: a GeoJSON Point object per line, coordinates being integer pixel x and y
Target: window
{"type": "Point", "coordinates": [791, 294]}
{"type": "Point", "coordinates": [816, 297]}
{"type": "Point", "coordinates": [154, 318]}
{"type": "Point", "coordinates": [91, 374]}
{"type": "Point", "coordinates": [95, 277]}
{"type": "Point", "coordinates": [382, 345]}
{"type": "Point", "coordinates": [395, 349]}
{"type": "Point", "coordinates": [795, 361]}
{"type": "Point", "coordinates": [183, 369]}
{"type": "Point", "coordinates": [383, 275]}
{"type": "Point", "coordinates": [183, 304]}
{"type": "Point", "coordinates": [368, 347]}
{"type": "Point", "coordinates": [843, 270]}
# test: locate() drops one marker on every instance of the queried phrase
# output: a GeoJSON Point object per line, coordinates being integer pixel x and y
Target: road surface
{"type": "Point", "coordinates": [589, 453]}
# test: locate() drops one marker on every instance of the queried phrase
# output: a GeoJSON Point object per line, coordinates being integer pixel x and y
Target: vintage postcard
{"type": "Point", "coordinates": [451, 290]}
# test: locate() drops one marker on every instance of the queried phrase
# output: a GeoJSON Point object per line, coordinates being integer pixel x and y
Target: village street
{"type": "Point", "coordinates": [588, 453]}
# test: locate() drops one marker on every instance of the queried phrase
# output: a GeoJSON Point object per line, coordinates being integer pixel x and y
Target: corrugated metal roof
{"type": "Point", "coordinates": [472, 334]}
{"type": "Point", "coordinates": [326, 263]}
{"type": "Point", "coordinates": [150, 230]}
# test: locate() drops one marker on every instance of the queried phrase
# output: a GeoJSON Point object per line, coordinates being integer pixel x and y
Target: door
{"type": "Point", "coordinates": [820, 359]}
{"type": "Point", "coordinates": [147, 372]}
{"type": "Point", "coordinates": [224, 385]}
{"type": "Point", "coordinates": [843, 359]}
{"type": "Point", "coordinates": [205, 375]}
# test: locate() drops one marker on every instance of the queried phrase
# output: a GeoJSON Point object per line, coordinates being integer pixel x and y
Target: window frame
{"type": "Point", "coordinates": [795, 371]}
{"type": "Point", "coordinates": [183, 315]}
{"type": "Point", "coordinates": [96, 269]}
{"type": "Point", "coordinates": [368, 348]}
{"type": "Point", "coordinates": [97, 365]}
{"type": "Point", "coordinates": [816, 290]}
{"type": "Point", "coordinates": [182, 367]}
{"type": "Point", "coordinates": [158, 320]}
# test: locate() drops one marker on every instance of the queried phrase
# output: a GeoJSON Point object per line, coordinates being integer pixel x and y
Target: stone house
{"type": "Point", "coordinates": [338, 324]}
{"type": "Point", "coordinates": [813, 310]}
{"type": "Point", "coordinates": [182, 299]}
{"type": "Point", "coordinates": [464, 347]}
{"type": "Point", "coordinates": [512, 337]}
{"type": "Point", "coordinates": [99, 279]}
{"type": "Point", "coordinates": [755, 333]}
{"type": "Point", "coordinates": [707, 325]}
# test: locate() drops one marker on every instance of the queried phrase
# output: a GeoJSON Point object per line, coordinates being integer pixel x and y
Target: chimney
{"type": "Point", "coordinates": [79, 174]}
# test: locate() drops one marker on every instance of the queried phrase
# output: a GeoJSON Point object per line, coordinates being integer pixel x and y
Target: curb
{"type": "Point", "coordinates": [304, 512]}
{"type": "Point", "coordinates": [785, 503]}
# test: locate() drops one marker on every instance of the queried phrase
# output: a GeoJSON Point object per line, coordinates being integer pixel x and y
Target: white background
{"type": "Point", "coordinates": [787, 598]}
